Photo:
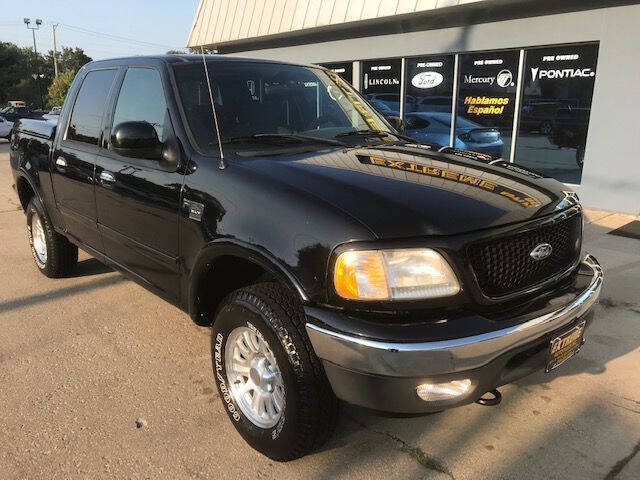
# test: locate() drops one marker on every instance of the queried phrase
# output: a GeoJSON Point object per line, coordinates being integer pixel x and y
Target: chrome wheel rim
{"type": "Point", "coordinates": [254, 378]}
{"type": "Point", "coordinates": [38, 239]}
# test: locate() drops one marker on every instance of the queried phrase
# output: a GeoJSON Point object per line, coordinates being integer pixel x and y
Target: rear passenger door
{"type": "Point", "coordinates": [74, 157]}
{"type": "Point", "coordinates": [138, 199]}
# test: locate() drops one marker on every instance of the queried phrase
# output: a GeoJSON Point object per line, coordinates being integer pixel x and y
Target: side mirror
{"type": "Point", "coordinates": [395, 122]}
{"type": "Point", "coordinates": [137, 140]}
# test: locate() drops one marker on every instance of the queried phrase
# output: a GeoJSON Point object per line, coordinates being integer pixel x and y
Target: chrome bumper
{"type": "Point", "coordinates": [448, 356]}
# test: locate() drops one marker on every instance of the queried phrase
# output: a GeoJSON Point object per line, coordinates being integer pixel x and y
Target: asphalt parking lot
{"type": "Point", "coordinates": [83, 358]}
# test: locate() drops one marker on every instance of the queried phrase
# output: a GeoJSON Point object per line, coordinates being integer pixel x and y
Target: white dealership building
{"type": "Point", "coordinates": [552, 85]}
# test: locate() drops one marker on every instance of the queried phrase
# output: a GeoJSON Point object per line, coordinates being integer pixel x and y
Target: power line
{"type": "Point", "coordinates": [116, 38]}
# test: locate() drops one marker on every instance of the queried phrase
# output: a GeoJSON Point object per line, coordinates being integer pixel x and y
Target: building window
{"type": "Point", "coordinates": [486, 102]}
{"type": "Point", "coordinates": [427, 102]}
{"type": "Point", "coordinates": [556, 105]}
{"type": "Point", "coordinates": [343, 69]}
{"type": "Point", "coordinates": [381, 84]}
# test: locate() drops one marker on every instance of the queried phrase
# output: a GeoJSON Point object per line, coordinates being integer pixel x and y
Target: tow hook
{"type": "Point", "coordinates": [490, 402]}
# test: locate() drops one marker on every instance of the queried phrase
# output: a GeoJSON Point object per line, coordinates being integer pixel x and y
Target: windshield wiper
{"type": "Point", "coordinates": [364, 133]}
{"type": "Point", "coordinates": [379, 133]}
{"type": "Point", "coordinates": [279, 137]}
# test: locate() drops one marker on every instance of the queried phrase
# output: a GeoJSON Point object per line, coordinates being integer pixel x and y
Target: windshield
{"type": "Point", "coordinates": [254, 98]}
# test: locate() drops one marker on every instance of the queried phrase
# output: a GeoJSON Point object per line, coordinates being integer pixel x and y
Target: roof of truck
{"type": "Point", "coordinates": [183, 58]}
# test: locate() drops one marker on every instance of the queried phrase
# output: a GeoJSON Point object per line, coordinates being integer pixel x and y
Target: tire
{"type": "Point", "coordinates": [268, 313]}
{"type": "Point", "coordinates": [546, 128]}
{"type": "Point", "coordinates": [54, 255]}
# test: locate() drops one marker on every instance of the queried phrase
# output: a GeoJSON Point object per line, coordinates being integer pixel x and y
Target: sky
{"type": "Point", "coordinates": [103, 29]}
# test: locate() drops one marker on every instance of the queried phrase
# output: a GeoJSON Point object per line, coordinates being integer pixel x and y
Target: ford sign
{"type": "Point", "coordinates": [541, 252]}
{"type": "Point", "coordinates": [427, 80]}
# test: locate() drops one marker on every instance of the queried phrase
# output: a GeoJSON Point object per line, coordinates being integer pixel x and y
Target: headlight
{"type": "Point", "coordinates": [407, 274]}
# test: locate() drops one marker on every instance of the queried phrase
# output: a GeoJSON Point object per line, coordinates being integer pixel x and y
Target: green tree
{"type": "Point", "coordinates": [15, 73]}
{"type": "Point", "coordinates": [18, 67]}
{"type": "Point", "coordinates": [176, 52]}
{"type": "Point", "coordinates": [72, 59]}
{"type": "Point", "coordinates": [59, 88]}
{"type": "Point", "coordinates": [207, 50]}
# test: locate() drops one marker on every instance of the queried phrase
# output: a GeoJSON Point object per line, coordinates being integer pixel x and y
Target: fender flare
{"type": "Point", "coordinates": [22, 173]}
{"type": "Point", "coordinates": [236, 248]}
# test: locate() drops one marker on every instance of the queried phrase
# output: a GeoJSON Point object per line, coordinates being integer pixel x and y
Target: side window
{"type": "Point", "coordinates": [142, 99]}
{"type": "Point", "coordinates": [86, 118]}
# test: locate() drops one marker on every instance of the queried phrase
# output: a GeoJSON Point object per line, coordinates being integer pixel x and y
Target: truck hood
{"type": "Point", "coordinates": [410, 191]}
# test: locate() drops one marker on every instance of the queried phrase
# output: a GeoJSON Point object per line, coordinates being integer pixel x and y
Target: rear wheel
{"type": "Point", "coordinates": [546, 128]}
{"type": "Point", "coordinates": [54, 255]}
{"type": "Point", "coordinates": [274, 388]}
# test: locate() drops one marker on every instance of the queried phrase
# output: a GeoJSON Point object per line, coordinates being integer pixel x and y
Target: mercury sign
{"type": "Point", "coordinates": [427, 80]}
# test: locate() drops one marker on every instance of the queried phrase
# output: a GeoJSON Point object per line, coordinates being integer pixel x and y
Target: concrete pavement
{"type": "Point", "coordinates": [83, 358]}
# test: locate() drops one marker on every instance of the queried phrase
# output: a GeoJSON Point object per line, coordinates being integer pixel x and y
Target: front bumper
{"type": "Point", "coordinates": [384, 375]}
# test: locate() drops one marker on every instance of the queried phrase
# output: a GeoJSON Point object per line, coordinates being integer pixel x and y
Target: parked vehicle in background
{"type": "Point", "coordinates": [392, 100]}
{"type": "Point", "coordinates": [5, 128]}
{"type": "Point", "coordinates": [538, 115]}
{"type": "Point", "coordinates": [435, 127]}
{"type": "Point", "coordinates": [333, 257]}
{"type": "Point", "coordinates": [383, 108]}
{"type": "Point", "coordinates": [53, 114]}
{"type": "Point", "coordinates": [570, 130]}
{"type": "Point", "coordinates": [12, 113]}
{"type": "Point", "coordinates": [434, 103]}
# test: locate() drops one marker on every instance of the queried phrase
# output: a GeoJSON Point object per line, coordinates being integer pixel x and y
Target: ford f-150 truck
{"type": "Point", "coordinates": [333, 257]}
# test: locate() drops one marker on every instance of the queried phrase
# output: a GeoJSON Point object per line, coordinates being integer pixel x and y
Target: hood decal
{"type": "Point", "coordinates": [521, 198]}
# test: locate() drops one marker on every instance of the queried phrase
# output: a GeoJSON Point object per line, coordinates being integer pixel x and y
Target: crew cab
{"type": "Point", "coordinates": [333, 257]}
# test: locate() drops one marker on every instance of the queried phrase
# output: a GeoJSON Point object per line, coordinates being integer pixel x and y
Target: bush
{"type": "Point", "coordinates": [59, 88]}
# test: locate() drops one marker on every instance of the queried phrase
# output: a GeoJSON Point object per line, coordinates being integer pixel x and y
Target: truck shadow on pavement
{"type": "Point", "coordinates": [90, 266]}
{"type": "Point", "coordinates": [36, 299]}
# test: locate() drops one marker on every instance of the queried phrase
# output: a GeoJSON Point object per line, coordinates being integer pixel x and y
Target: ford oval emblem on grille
{"type": "Point", "coordinates": [541, 251]}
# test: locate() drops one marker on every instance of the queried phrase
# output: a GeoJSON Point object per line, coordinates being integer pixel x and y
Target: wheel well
{"type": "Point", "coordinates": [25, 192]}
{"type": "Point", "coordinates": [225, 274]}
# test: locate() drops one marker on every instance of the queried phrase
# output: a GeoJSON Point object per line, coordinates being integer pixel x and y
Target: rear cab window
{"type": "Point", "coordinates": [88, 110]}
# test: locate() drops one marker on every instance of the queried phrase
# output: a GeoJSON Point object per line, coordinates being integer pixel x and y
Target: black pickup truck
{"type": "Point", "coordinates": [333, 257]}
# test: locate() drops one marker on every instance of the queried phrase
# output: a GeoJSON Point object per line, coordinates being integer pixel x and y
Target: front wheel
{"type": "Point", "coordinates": [273, 386]}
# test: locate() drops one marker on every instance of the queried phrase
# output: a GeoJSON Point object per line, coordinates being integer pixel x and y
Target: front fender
{"type": "Point", "coordinates": [236, 248]}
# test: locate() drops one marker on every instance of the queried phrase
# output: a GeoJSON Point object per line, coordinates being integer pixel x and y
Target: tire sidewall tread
{"type": "Point", "coordinates": [62, 255]}
{"type": "Point", "coordinates": [311, 408]}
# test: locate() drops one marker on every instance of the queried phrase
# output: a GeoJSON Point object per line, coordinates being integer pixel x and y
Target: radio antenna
{"type": "Point", "coordinates": [222, 164]}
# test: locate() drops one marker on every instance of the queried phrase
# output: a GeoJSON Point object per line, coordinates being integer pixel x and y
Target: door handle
{"type": "Point", "coordinates": [61, 163]}
{"type": "Point", "coordinates": [106, 177]}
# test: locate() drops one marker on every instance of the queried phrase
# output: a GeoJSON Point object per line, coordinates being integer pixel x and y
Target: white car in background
{"type": "Point", "coordinates": [5, 128]}
{"type": "Point", "coordinates": [54, 114]}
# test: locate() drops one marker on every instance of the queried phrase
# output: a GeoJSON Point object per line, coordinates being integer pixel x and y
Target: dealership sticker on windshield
{"type": "Point", "coordinates": [565, 346]}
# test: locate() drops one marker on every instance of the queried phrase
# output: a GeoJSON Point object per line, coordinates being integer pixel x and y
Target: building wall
{"type": "Point", "coordinates": [219, 21]}
{"type": "Point", "coordinates": [611, 174]}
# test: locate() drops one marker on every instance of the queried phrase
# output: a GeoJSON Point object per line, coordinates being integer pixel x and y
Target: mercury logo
{"type": "Point", "coordinates": [504, 78]}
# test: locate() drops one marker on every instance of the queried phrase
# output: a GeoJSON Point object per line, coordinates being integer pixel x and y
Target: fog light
{"type": "Point", "coordinates": [432, 392]}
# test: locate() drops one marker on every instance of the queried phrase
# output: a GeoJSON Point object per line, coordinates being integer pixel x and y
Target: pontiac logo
{"type": "Point", "coordinates": [541, 251]}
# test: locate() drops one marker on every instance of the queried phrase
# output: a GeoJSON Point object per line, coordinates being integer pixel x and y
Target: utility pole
{"type": "Point", "coordinates": [27, 21]}
{"type": "Point", "coordinates": [55, 50]}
